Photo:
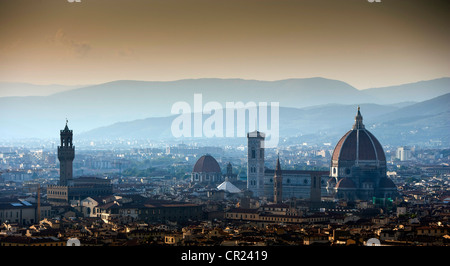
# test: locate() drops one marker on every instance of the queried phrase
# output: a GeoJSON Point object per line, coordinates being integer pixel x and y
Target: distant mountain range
{"type": "Point", "coordinates": [10, 89]}
{"type": "Point", "coordinates": [421, 123]}
{"type": "Point", "coordinates": [142, 109]}
{"type": "Point", "coordinates": [412, 92]}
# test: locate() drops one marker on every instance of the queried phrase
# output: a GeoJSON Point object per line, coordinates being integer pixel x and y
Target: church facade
{"type": "Point", "coordinates": [262, 182]}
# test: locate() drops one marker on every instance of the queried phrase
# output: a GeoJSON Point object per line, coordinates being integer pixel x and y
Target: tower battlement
{"type": "Point", "coordinates": [66, 155]}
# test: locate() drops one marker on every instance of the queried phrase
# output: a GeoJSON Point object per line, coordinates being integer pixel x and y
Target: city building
{"type": "Point", "coordinates": [32, 241]}
{"type": "Point", "coordinates": [23, 212]}
{"type": "Point", "coordinates": [162, 211]}
{"type": "Point", "coordinates": [70, 188]}
{"type": "Point", "coordinates": [294, 183]}
{"type": "Point", "coordinates": [230, 175]}
{"type": "Point", "coordinates": [404, 154]}
{"type": "Point", "coordinates": [358, 166]}
{"type": "Point", "coordinates": [206, 170]}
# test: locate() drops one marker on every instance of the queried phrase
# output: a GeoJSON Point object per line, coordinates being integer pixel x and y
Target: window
{"type": "Point", "coordinates": [253, 153]}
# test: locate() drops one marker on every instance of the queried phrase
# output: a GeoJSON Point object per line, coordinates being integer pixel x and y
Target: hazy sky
{"type": "Point", "coordinates": [361, 43]}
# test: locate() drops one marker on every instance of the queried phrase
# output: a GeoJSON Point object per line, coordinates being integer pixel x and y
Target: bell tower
{"type": "Point", "coordinates": [255, 163]}
{"type": "Point", "coordinates": [66, 154]}
{"type": "Point", "coordinates": [278, 184]}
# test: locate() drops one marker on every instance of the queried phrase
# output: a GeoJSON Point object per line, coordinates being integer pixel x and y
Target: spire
{"type": "Point", "coordinates": [66, 128]}
{"type": "Point", "coordinates": [358, 120]}
{"type": "Point", "coordinates": [278, 184]}
{"type": "Point", "coordinates": [278, 167]}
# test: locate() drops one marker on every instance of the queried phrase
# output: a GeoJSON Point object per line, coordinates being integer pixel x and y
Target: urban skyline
{"type": "Point", "coordinates": [247, 125]}
{"type": "Point", "coordinates": [175, 208]}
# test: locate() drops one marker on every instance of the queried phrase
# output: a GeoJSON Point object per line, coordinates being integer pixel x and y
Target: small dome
{"type": "Point", "coordinates": [345, 183]}
{"type": "Point", "coordinates": [206, 164]}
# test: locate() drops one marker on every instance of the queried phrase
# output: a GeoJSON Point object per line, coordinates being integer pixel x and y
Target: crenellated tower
{"type": "Point", "coordinates": [66, 154]}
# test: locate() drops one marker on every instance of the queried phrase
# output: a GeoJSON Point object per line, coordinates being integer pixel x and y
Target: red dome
{"type": "Point", "coordinates": [206, 164]}
{"type": "Point", "coordinates": [358, 143]}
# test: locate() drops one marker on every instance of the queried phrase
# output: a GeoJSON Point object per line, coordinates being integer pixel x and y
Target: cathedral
{"type": "Point", "coordinates": [207, 171]}
{"type": "Point", "coordinates": [278, 184]}
{"type": "Point", "coordinates": [358, 166]}
{"type": "Point", "coordinates": [357, 172]}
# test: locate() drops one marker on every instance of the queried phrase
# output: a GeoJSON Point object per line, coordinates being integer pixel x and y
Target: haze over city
{"type": "Point", "coordinates": [244, 125]}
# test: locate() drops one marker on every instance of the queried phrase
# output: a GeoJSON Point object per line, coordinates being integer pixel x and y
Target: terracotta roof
{"type": "Point", "coordinates": [276, 205]}
{"type": "Point", "coordinates": [361, 142]}
{"type": "Point", "coordinates": [242, 210]}
{"type": "Point", "coordinates": [338, 147]}
{"type": "Point", "coordinates": [206, 164]}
